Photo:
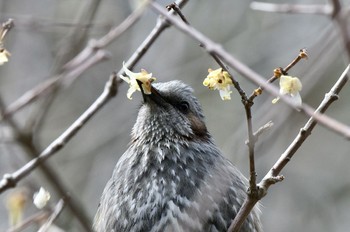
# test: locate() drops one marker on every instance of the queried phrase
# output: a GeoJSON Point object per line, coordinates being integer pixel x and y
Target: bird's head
{"type": "Point", "coordinates": [170, 112]}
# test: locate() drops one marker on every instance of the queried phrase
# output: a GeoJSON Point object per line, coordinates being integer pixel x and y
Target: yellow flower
{"type": "Point", "coordinates": [290, 86]}
{"type": "Point", "coordinates": [4, 56]}
{"type": "Point", "coordinates": [16, 203]}
{"type": "Point", "coordinates": [221, 80]}
{"type": "Point", "coordinates": [143, 76]}
{"type": "Point", "coordinates": [41, 198]}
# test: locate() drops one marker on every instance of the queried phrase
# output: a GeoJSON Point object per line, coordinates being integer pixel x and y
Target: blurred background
{"type": "Point", "coordinates": [315, 195]}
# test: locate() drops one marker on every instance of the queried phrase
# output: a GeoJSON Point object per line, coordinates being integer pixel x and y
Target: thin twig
{"type": "Point", "coordinates": [245, 71]}
{"type": "Point", "coordinates": [45, 87]}
{"type": "Point", "coordinates": [160, 26]}
{"type": "Point", "coordinates": [94, 45]}
{"type": "Point", "coordinates": [273, 176]}
{"type": "Point", "coordinates": [261, 130]}
{"type": "Point", "coordinates": [280, 71]}
{"type": "Point", "coordinates": [89, 56]}
{"type": "Point", "coordinates": [10, 180]}
{"type": "Point", "coordinates": [5, 28]}
{"type": "Point", "coordinates": [329, 98]}
{"type": "Point", "coordinates": [235, 83]}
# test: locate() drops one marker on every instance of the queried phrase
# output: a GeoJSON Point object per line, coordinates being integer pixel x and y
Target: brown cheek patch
{"type": "Point", "coordinates": [198, 127]}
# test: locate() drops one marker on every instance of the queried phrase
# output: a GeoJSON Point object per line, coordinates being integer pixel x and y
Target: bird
{"type": "Point", "coordinates": [173, 177]}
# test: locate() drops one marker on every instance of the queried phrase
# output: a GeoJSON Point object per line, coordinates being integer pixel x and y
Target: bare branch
{"type": "Point", "coordinates": [10, 180]}
{"type": "Point", "coordinates": [94, 45]}
{"type": "Point", "coordinates": [5, 28]}
{"type": "Point", "coordinates": [89, 56]}
{"type": "Point", "coordinates": [280, 71]}
{"type": "Point", "coordinates": [161, 25]}
{"type": "Point", "coordinates": [273, 176]}
{"type": "Point", "coordinates": [45, 87]}
{"type": "Point", "coordinates": [245, 71]}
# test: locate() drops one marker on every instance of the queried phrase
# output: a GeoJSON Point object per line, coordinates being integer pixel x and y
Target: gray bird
{"type": "Point", "coordinates": [172, 177]}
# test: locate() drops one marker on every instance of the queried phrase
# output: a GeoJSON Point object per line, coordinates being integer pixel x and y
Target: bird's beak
{"type": "Point", "coordinates": [155, 96]}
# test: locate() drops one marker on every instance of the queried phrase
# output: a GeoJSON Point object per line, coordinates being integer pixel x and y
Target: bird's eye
{"type": "Point", "coordinates": [183, 106]}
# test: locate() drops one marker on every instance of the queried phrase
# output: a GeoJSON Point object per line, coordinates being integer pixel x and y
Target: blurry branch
{"type": "Point", "coordinates": [35, 23]}
{"type": "Point", "coordinates": [333, 10]}
{"type": "Point", "coordinates": [340, 15]}
{"type": "Point", "coordinates": [10, 180]}
{"type": "Point", "coordinates": [76, 37]}
{"type": "Point", "coordinates": [89, 56]}
{"type": "Point", "coordinates": [36, 218]}
{"type": "Point", "coordinates": [273, 176]}
{"type": "Point", "coordinates": [67, 48]}
{"type": "Point", "coordinates": [39, 217]}
{"type": "Point", "coordinates": [45, 87]}
{"type": "Point", "coordinates": [5, 28]}
{"type": "Point", "coordinates": [256, 194]}
{"type": "Point", "coordinates": [56, 212]}
{"type": "Point", "coordinates": [322, 9]}
{"type": "Point", "coordinates": [73, 69]}
{"type": "Point", "coordinates": [251, 75]}
{"type": "Point", "coordinates": [94, 45]}
{"type": "Point", "coordinates": [161, 25]}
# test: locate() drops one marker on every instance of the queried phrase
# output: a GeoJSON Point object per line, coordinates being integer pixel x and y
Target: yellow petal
{"type": "Point", "coordinates": [4, 54]}
{"type": "Point", "coordinates": [220, 80]}
{"type": "Point", "coordinates": [144, 77]}
{"type": "Point", "coordinates": [15, 205]}
{"type": "Point", "coordinates": [290, 84]}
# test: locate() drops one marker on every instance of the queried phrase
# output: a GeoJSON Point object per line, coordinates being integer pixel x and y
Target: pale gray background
{"type": "Point", "coordinates": [315, 195]}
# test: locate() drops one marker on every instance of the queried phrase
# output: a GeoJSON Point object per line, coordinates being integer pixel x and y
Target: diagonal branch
{"type": "Point", "coordinates": [89, 56]}
{"type": "Point", "coordinates": [10, 180]}
{"type": "Point", "coordinates": [251, 75]}
{"type": "Point", "coordinates": [273, 176]}
{"type": "Point", "coordinates": [161, 25]}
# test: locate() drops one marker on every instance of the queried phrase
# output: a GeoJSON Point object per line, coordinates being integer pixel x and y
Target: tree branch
{"type": "Point", "coordinates": [322, 9]}
{"type": "Point", "coordinates": [10, 180]}
{"type": "Point", "coordinates": [245, 71]}
{"type": "Point", "coordinates": [273, 176]}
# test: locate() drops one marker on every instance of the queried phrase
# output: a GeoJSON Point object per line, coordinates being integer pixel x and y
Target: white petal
{"type": "Point", "coordinates": [225, 94]}
{"type": "Point", "coordinates": [128, 72]}
{"type": "Point", "coordinates": [41, 198]}
{"type": "Point", "coordinates": [126, 79]}
{"type": "Point", "coordinates": [296, 98]}
{"type": "Point", "coordinates": [130, 92]}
